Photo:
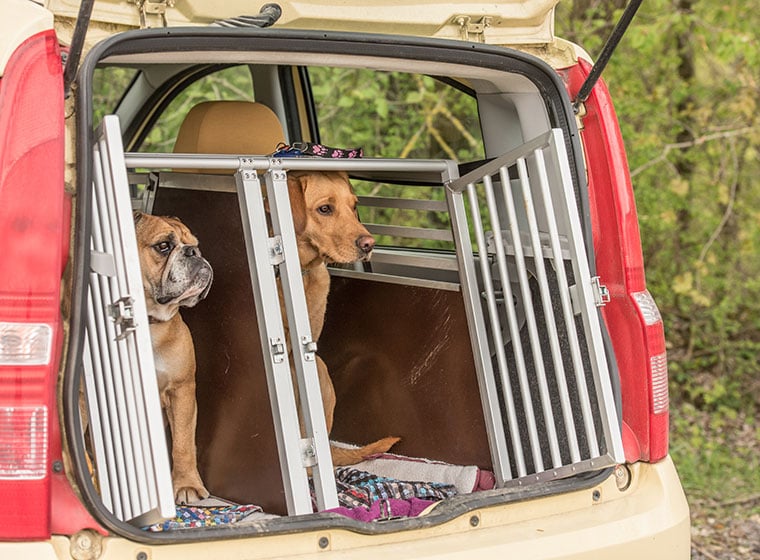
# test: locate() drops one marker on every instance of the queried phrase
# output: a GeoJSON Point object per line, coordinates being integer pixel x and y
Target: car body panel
{"type": "Point", "coordinates": [19, 20]}
{"type": "Point", "coordinates": [511, 22]}
{"type": "Point", "coordinates": [648, 519]}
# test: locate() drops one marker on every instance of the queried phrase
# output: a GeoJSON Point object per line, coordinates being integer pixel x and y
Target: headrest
{"type": "Point", "coordinates": [229, 127]}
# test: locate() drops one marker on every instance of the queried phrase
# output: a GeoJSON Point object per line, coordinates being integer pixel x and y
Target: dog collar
{"type": "Point", "coordinates": [153, 321]}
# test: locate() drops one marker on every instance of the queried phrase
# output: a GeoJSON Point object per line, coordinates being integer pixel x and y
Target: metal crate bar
{"type": "Point", "coordinates": [545, 360]}
{"type": "Point", "coordinates": [404, 203]}
{"type": "Point", "coordinates": [295, 458]}
{"type": "Point", "coordinates": [410, 232]}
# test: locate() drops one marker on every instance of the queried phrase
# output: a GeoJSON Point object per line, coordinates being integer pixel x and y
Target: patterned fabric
{"type": "Point", "coordinates": [361, 495]}
{"type": "Point", "coordinates": [385, 510]}
{"type": "Point", "coordinates": [361, 489]}
{"type": "Point", "coordinates": [190, 517]}
{"type": "Point", "coordinates": [317, 150]}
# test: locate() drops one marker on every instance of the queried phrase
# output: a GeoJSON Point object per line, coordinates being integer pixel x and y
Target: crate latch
{"type": "Point", "coordinates": [601, 293]}
{"type": "Point", "coordinates": [277, 348]}
{"type": "Point", "coordinates": [276, 253]}
{"type": "Point", "coordinates": [308, 452]}
{"type": "Point", "coordinates": [123, 316]}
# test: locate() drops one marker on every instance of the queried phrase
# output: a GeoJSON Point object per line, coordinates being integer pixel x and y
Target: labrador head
{"type": "Point", "coordinates": [325, 218]}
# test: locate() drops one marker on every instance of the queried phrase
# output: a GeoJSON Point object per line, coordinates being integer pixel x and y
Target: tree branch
{"type": "Point", "coordinates": [728, 211]}
{"type": "Point", "coordinates": [692, 143]}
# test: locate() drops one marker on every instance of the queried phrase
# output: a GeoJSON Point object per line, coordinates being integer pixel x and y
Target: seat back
{"type": "Point", "coordinates": [229, 127]}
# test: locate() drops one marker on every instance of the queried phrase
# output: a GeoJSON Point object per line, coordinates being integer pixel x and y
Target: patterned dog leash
{"type": "Point", "coordinates": [316, 150]}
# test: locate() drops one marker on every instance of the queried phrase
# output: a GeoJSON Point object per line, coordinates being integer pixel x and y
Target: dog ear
{"type": "Point", "coordinates": [296, 188]}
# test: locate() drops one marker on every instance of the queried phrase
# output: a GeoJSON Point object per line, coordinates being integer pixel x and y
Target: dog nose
{"type": "Point", "coordinates": [365, 243]}
{"type": "Point", "coordinates": [190, 251]}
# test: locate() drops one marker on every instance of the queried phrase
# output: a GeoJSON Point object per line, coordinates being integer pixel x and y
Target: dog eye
{"type": "Point", "coordinates": [325, 209]}
{"type": "Point", "coordinates": [164, 247]}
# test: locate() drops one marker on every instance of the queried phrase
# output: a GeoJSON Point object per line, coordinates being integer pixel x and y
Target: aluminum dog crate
{"type": "Point", "coordinates": [523, 272]}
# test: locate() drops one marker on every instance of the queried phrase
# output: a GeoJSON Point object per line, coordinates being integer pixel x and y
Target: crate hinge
{"type": "Point", "coordinates": [309, 348]}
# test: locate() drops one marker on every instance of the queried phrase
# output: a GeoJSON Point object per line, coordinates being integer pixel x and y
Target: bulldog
{"type": "Point", "coordinates": [174, 275]}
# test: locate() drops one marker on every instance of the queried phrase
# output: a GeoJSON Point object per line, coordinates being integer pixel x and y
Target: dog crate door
{"type": "Point", "coordinates": [534, 318]}
{"type": "Point", "coordinates": [125, 422]}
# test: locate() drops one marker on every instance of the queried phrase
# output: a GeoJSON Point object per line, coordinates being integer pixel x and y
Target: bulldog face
{"type": "Point", "coordinates": [174, 272]}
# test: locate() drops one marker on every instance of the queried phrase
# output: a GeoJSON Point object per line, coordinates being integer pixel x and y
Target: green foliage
{"type": "Point", "coordinates": [402, 116]}
{"type": "Point", "coordinates": [685, 84]}
{"type": "Point", "coordinates": [108, 86]}
{"type": "Point", "coordinates": [717, 455]}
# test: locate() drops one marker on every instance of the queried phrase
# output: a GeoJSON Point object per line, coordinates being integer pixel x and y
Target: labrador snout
{"type": "Point", "coordinates": [365, 244]}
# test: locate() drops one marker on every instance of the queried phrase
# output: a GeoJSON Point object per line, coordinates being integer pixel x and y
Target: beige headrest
{"type": "Point", "coordinates": [229, 127]}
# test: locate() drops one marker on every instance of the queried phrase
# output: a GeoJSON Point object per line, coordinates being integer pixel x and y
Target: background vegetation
{"type": "Point", "coordinates": [685, 81]}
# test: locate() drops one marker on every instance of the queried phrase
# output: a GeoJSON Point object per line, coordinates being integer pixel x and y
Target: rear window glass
{"type": "Point", "coordinates": [394, 114]}
{"type": "Point", "coordinates": [108, 85]}
{"type": "Point", "coordinates": [232, 84]}
{"type": "Point", "coordinates": [398, 115]}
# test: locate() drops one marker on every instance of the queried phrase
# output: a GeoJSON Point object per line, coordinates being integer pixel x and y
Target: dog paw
{"type": "Point", "coordinates": [185, 495]}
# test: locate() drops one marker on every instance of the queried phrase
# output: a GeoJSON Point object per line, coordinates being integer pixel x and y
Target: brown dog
{"type": "Point", "coordinates": [328, 231]}
{"type": "Point", "coordinates": [174, 275]}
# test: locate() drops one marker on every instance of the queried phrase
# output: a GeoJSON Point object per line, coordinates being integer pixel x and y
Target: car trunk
{"type": "Point", "coordinates": [420, 342]}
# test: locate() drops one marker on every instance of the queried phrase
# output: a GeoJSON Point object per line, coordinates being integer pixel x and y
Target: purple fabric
{"type": "Point", "coordinates": [385, 509]}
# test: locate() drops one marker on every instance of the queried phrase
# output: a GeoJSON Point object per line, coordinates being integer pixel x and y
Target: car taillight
{"type": "Point", "coordinates": [659, 403]}
{"type": "Point", "coordinates": [33, 242]}
{"type": "Point", "coordinates": [631, 316]}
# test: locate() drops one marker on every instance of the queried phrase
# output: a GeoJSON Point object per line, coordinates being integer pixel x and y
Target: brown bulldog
{"type": "Point", "coordinates": [174, 275]}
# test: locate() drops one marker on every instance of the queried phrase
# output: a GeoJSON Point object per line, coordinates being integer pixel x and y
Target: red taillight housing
{"type": "Point", "coordinates": [33, 245]}
{"type": "Point", "coordinates": [631, 316]}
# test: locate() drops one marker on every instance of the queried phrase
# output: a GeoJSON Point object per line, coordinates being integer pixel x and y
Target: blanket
{"type": "Point", "coordinates": [384, 487]}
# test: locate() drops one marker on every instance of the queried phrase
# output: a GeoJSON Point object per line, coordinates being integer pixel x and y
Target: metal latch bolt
{"type": "Point", "coordinates": [123, 315]}
{"type": "Point", "coordinates": [309, 348]}
{"type": "Point", "coordinates": [308, 452]}
{"type": "Point", "coordinates": [276, 253]}
{"type": "Point", "coordinates": [601, 293]}
{"type": "Point", "coordinates": [277, 347]}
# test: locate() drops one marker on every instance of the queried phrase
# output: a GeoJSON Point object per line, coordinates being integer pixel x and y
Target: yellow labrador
{"type": "Point", "coordinates": [328, 230]}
